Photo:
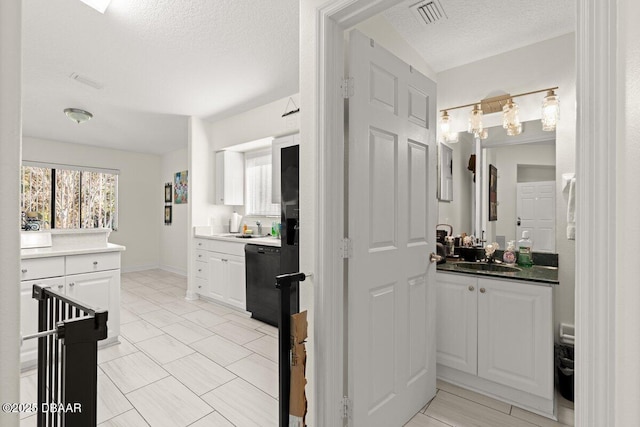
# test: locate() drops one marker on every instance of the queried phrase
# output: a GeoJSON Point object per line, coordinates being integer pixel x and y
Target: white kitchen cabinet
{"type": "Point", "coordinates": [456, 317]}
{"type": "Point", "coordinates": [515, 341]}
{"type": "Point", "coordinates": [99, 290]}
{"type": "Point", "coordinates": [496, 336]}
{"type": "Point", "coordinates": [90, 278]}
{"type": "Point", "coordinates": [220, 271]}
{"type": "Point", "coordinates": [229, 178]}
{"type": "Point", "coordinates": [277, 145]}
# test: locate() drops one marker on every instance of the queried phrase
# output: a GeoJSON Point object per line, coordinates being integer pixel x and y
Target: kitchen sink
{"type": "Point", "coordinates": [483, 266]}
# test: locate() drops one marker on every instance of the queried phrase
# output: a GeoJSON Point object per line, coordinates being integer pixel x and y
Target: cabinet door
{"type": "Point", "coordinates": [456, 322]}
{"type": "Point", "coordinates": [230, 178]}
{"type": "Point", "coordinates": [515, 335]}
{"type": "Point", "coordinates": [236, 284]}
{"type": "Point", "coordinates": [217, 281]}
{"type": "Point", "coordinates": [99, 290]}
{"type": "Point", "coordinates": [277, 145]}
{"type": "Point", "coordinates": [29, 315]}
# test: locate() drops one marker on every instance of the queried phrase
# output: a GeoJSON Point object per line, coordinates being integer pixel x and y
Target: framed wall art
{"type": "Point", "coordinates": [493, 193]}
{"type": "Point", "coordinates": [168, 193]}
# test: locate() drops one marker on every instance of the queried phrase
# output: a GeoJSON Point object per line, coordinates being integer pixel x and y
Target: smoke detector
{"type": "Point", "coordinates": [428, 12]}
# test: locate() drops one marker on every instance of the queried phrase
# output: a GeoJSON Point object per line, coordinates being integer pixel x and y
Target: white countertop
{"type": "Point", "coordinates": [267, 241]}
{"type": "Point", "coordinates": [52, 251]}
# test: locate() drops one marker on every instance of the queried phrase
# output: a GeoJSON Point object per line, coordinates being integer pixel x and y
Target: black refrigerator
{"type": "Point", "coordinates": [290, 234]}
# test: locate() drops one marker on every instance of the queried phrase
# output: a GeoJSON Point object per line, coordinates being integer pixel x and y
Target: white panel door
{"type": "Point", "coordinates": [457, 322]}
{"type": "Point", "coordinates": [392, 201]}
{"type": "Point", "coordinates": [536, 211]}
{"type": "Point", "coordinates": [515, 340]}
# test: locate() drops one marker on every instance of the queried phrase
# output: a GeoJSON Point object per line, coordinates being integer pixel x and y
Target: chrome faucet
{"type": "Point", "coordinates": [259, 224]}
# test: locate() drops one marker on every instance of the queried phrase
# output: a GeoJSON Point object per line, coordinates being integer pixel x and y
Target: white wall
{"type": "Point", "coordinates": [139, 190]}
{"type": "Point", "coordinates": [254, 124]}
{"type": "Point", "coordinates": [10, 132]}
{"type": "Point", "coordinates": [546, 64]}
{"type": "Point", "coordinates": [627, 228]}
{"type": "Point", "coordinates": [174, 237]}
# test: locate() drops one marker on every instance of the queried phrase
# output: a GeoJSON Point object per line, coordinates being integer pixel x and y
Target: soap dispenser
{"type": "Point", "coordinates": [509, 256]}
{"type": "Point", "coordinates": [524, 250]}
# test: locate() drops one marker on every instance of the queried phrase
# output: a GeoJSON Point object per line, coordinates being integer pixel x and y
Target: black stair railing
{"type": "Point", "coordinates": [68, 335]}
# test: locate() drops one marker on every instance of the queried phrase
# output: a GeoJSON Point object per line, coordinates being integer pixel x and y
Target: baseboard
{"type": "Point", "coordinates": [135, 268]}
{"type": "Point", "coordinates": [174, 270]}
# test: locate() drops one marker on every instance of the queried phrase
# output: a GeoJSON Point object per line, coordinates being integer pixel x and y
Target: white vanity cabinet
{"type": "Point", "coordinates": [220, 271]}
{"type": "Point", "coordinates": [495, 336]}
{"type": "Point", "coordinates": [91, 278]}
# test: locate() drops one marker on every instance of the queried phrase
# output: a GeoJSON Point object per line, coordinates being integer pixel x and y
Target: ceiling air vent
{"type": "Point", "coordinates": [429, 12]}
{"type": "Point", "coordinates": [86, 81]}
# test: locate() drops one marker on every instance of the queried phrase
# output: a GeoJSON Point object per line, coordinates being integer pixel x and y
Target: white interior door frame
{"type": "Point", "coordinates": [595, 168]}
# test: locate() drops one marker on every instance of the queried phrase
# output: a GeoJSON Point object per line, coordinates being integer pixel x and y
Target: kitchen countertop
{"type": "Point", "coordinates": [52, 251]}
{"type": "Point", "coordinates": [537, 273]}
{"type": "Point", "coordinates": [267, 241]}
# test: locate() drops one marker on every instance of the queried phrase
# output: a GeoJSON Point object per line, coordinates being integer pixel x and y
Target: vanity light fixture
{"type": "Point", "coordinates": [550, 111]}
{"type": "Point", "coordinates": [475, 121]}
{"type": "Point", "coordinates": [78, 115]}
{"type": "Point", "coordinates": [510, 120]}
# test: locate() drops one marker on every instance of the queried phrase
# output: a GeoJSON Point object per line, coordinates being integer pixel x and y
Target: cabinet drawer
{"type": "Point", "coordinates": [201, 286]}
{"type": "Point", "coordinates": [231, 248]}
{"type": "Point", "coordinates": [41, 267]}
{"type": "Point", "coordinates": [201, 270]}
{"type": "Point", "coordinates": [200, 243]}
{"type": "Point", "coordinates": [92, 262]}
{"type": "Point", "coordinates": [201, 255]}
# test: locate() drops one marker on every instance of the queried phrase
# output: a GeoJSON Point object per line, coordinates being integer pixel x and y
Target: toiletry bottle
{"type": "Point", "coordinates": [524, 250]}
{"type": "Point", "coordinates": [244, 228]}
{"type": "Point", "coordinates": [509, 256]}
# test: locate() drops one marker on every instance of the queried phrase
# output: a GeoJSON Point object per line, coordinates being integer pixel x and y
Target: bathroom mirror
{"type": "Point", "coordinates": [445, 173]}
{"type": "Point", "coordinates": [526, 186]}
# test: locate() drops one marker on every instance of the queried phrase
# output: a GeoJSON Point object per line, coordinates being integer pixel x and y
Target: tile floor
{"type": "Point", "coordinates": [194, 363]}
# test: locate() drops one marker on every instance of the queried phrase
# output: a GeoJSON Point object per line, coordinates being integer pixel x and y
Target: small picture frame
{"type": "Point", "coordinates": [167, 215]}
{"type": "Point", "coordinates": [168, 193]}
{"type": "Point", "coordinates": [493, 193]}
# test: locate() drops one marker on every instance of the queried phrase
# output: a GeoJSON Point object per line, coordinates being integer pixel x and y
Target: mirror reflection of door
{"type": "Point", "coordinates": [536, 209]}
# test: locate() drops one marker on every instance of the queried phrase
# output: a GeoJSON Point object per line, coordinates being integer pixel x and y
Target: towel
{"type": "Point", "coordinates": [571, 211]}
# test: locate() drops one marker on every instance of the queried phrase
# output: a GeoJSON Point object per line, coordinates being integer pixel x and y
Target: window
{"type": "Point", "coordinates": [69, 196]}
{"type": "Point", "coordinates": [258, 184]}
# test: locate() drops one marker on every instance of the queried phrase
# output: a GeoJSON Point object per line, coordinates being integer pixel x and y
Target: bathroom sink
{"type": "Point", "coordinates": [483, 266]}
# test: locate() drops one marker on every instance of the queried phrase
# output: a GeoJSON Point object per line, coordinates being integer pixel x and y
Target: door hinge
{"type": "Point", "coordinates": [347, 87]}
{"type": "Point", "coordinates": [346, 248]}
{"type": "Point", "coordinates": [346, 407]}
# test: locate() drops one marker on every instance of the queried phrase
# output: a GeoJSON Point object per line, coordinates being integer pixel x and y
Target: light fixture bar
{"type": "Point", "coordinates": [510, 96]}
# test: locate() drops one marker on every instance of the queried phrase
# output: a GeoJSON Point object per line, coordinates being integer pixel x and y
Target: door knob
{"type": "Point", "coordinates": [434, 258]}
{"type": "Point", "coordinates": [471, 288]}
{"type": "Point", "coordinates": [483, 290]}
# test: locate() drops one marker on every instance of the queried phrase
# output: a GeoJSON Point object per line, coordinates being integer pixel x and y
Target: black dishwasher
{"type": "Point", "coordinates": [262, 267]}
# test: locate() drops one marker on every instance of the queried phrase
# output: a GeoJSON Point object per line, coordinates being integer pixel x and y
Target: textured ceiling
{"type": "Point", "coordinates": [478, 29]}
{"type": "Point", "coordinates": [159, 61]}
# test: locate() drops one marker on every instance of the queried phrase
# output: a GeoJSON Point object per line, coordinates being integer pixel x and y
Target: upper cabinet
{"type": "Point", "coordinates": [277, 145]}
{"type": "Point", "coordinates": [229, 178]}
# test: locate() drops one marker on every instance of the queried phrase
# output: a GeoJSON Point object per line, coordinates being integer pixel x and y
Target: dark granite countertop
{"type": "Point", "coordinates": [537, 273]}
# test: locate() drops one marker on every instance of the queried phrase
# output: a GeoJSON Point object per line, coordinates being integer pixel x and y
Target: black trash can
{"type": "Point", "coordinates": [565, 370]}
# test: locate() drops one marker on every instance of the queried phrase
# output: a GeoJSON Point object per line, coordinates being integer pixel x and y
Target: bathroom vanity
{"type": "Point", "coordinates": [495, 333]}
